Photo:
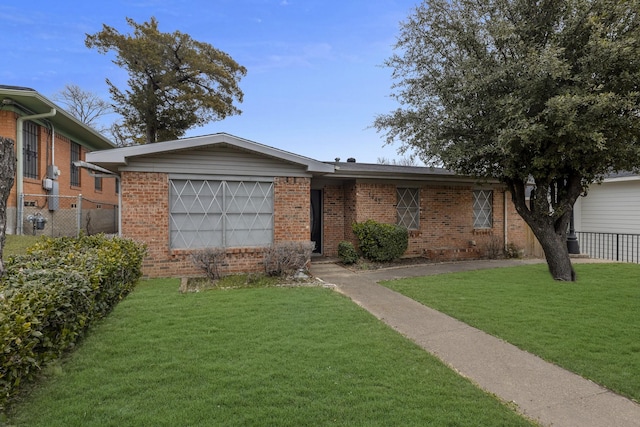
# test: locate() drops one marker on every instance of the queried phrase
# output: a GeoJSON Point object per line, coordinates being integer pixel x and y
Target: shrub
{"type": "Point", "coordinates": [50, 297]}
{"type": "Point", "coordinates": [347, 253]}
{"type": "Point", "coordinates": [287, 258]}
{"type": "Point", "coordinates": [381, 242]}
{"type": "Point", "coordinates": [493, 247]}
{"type": "Point", "coordinates": [513, 251]}
{"type": "Point", "coordinates": [209, 260]}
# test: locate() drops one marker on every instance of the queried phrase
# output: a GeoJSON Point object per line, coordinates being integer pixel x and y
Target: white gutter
{"type": "Point", "coordinates": [20, 156]}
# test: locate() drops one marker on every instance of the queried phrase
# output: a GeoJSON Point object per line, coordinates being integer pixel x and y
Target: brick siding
{"type": "Point", "coordinates": [446, 229]}
{"type": "Point", "coordinates": [145, 207]}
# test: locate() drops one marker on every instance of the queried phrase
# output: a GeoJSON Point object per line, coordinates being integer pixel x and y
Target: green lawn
{"type": "Point", "coordinates": [17, 245]}
{"type": "Point", "coordinates": [269, 356]}
{"type": "Point", "coordinates": [591, 327]}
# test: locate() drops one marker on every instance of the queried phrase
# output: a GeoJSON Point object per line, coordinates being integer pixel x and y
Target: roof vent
{"type": "Point", "coordinates": [351, 160]}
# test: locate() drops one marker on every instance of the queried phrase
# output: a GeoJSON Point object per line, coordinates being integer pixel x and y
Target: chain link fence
{"type": "Point", "coordinates": [57, 216]}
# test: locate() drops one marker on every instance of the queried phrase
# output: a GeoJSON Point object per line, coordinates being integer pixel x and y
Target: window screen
{"type": "Point", "coordinates": [207, 213]}
{"type": "Point", "coordinates": [409, 208]}
{"type": "Point", "coordinates": [482, 209]}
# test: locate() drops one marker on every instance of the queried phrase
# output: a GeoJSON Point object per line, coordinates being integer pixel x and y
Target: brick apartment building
{"type": "Point", "coordinates": [223, 191]}
{"type": "Point", "coordinates": [51, 195]}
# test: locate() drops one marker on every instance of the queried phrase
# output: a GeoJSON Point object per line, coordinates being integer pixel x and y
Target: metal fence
{"type": "Point", "coordinates": [57, 216]}
{"type": "Point", "coordinates": [613, 246]}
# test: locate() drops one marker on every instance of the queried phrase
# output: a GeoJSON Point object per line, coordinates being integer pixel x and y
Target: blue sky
{"type": "Point", "coordinates": [314, 83]}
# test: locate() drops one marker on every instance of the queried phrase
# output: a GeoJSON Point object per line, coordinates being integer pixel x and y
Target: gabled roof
{"type": "Point", "coordinates": [27, 101]}
{"type": "Point", "coordinates": [112, 159]}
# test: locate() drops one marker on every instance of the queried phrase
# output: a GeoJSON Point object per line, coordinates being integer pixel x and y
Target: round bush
{"type": "Point", "coordinates": [381, 242]}
{"type": "Point", "coordinates": [347, 253]}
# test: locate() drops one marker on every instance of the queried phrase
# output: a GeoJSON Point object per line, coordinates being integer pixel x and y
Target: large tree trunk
{"type": "Point", "coordinates": [7, 176]}
{"type": "Point", "coordinates": [554, 245]}
{"type": "Point", "coordinates": [548, 214]}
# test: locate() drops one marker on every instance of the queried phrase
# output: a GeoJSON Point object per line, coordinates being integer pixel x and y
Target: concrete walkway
{"type": "Point", "coordinates": [542, 391]}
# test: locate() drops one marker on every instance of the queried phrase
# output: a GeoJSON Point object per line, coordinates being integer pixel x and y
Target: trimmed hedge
{"type": "Point", "coordinates": [49, 297]}
{"type": "Point", "coordinates": [381, 242]}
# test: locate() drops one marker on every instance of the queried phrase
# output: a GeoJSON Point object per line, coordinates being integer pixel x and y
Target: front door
{"type": "Point", "coordinates": [316, 220]}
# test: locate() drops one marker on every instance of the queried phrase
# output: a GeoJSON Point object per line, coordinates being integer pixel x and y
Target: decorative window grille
{"type": "Point", "coordinates": [74, 170]}
{"type": "Point", "coordinates": [207, 213]}
{"type": "Point", "coordinates": [482, 209]}
{"type": "Point", "coordinates": [30, 149]}
{"type": "Point", "coordinates": [408, 208]}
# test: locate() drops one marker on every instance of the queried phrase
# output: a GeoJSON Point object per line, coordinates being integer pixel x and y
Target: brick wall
{"type": "Point", "coordinates": [62, 147]}
{"type": "Point", "coordinates": [446, 219]}
{"type": "Point", "coordinates": [334, 218]}
{"type": "Point", "coordinates": [292, 209]}
{"type": "Point", "coordinates": [145, 201]}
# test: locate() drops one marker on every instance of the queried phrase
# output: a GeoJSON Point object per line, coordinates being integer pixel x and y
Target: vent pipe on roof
{"type": "Point", "coordinates": [351, 160]}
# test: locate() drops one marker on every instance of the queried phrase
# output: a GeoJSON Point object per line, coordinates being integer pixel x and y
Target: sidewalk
{"type": "Point", "coordinates": [542, 391]}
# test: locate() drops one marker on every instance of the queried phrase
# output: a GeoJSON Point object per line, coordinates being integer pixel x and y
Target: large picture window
{"type": "Point", "coordinates": [408, 208]}
{"type": "Point", "coordinates": [208, 213]}
{"type": "Point", "coordinates": [482, 209]}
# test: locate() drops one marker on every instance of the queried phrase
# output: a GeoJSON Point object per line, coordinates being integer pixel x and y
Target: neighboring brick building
{"type": "Point", "coordinates": [223, 191]}
{"type": "Point", "coordinates": [47, 184]}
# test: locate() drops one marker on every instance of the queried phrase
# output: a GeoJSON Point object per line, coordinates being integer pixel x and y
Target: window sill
{"type": "Point", "coordinates": [482, 231]}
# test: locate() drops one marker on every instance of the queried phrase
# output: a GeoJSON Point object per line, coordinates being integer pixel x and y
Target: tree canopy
{"type": "Point", "coordinates": [175, 83]}
{"type": "Point", "coordinates": [543, 93]}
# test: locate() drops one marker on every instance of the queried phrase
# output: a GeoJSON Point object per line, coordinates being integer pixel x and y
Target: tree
{"type": "Point", "coordinates": [7, 176]}
{"type": "Point", "coordinates": [175, 82]}
{"type": "Point", "coordinates": [541, 93]}
{"type": "Point", "coordinates": [83, 105]}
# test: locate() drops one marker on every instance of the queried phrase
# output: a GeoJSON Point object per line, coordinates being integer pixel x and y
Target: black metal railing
{"type": "Point", "coordinates": [613, 246]}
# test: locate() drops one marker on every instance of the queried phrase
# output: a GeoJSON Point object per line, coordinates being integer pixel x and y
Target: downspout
{"type": "Point", "coordinates": [506, 239]}
{"type": "Point", "coordinates": [20, 157]}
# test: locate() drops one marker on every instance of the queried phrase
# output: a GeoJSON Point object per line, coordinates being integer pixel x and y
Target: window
{"type": "Point", "coordinates": [205, 213]}
{"type": "Point", "coordinates": [98, 183]}
{"type": "Point", "coordinates": [482, 209]}
{"type": "Point", "coordinates": [408, 208]}
{"type": "Point", "coordinates": [30, 150]}
{"type": "Point", "coordinates": [75, 171]}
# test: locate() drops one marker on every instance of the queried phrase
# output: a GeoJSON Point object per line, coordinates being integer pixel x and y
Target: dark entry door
{"type": "Point", "coordinates": [316, 219]}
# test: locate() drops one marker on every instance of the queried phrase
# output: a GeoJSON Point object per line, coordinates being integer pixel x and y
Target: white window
{"type": "Point", "coordinates": [408, 208]}
{"type": "Point", "coordinates": [482, 209]}
{"type": "Point", "coordinates": [204, 213]}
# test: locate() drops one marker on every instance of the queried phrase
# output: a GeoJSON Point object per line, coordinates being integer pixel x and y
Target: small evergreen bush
{"type": "Point", "coordinates": [347, 253]}
{"type": "Point", "coordinates": [381, 242]}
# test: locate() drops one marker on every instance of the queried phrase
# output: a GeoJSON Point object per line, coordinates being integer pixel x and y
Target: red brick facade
{"type": "Point", "coordinates": [446, 229]}
{"type": "Point", "coordinates": [54, 149]}
{"type": "Point", "coordinates": [145, 207]}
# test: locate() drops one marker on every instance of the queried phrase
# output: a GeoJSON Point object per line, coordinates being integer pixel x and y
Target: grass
{"type": "Point", "coordinates": [590, 327]}
{"type": "Point", "coordinates": [302, 356]}
{"type": "Point", "coordinates": [17, 245]}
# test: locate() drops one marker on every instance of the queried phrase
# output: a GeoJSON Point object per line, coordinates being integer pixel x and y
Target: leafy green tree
{"type": "Point", "coordinates": [175, 82]}
{"type": "Point", "coordinates": [541, 93]}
